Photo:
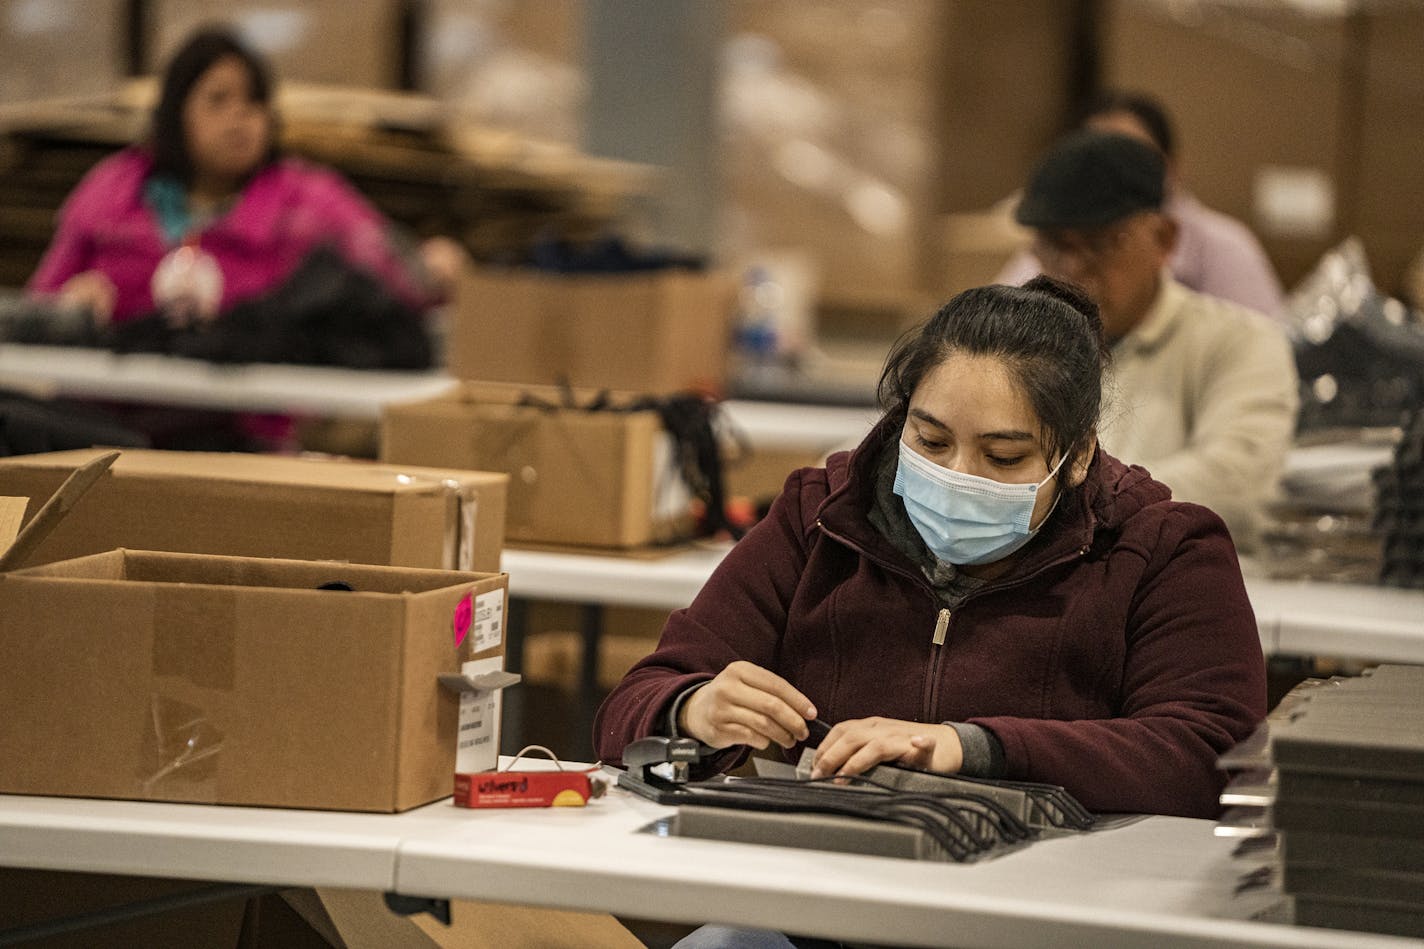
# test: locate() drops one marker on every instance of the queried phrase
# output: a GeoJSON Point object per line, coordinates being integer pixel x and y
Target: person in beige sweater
{"type": "Point", "coordinates": [1203, 393]}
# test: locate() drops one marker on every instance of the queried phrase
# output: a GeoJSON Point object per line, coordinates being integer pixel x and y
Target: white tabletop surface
{"type": "Point", "coordinates": [1159, 882]}
{"type": "Point", "coordinates": [152, 378]}
{"type": "Point", "coordinates": [350, 393]}
{"type": "Point", "coordinates": [201, 841]}
{"type": "Point", "coordinates": [667, 583]}
{"type": "Point", "coordinates": [1304, 618]}
{"type": "Point", "coordinates": [168, 380]}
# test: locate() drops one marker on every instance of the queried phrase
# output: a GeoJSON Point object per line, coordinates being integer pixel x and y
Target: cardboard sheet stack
{"type": "Point", "coordinates": [493, 190]}
{"type": "Point", "coordinates": [1349, 802]}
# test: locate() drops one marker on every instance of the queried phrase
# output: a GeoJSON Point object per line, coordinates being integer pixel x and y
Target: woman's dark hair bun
{"type": "Point", "coordinates": [1069, 293]}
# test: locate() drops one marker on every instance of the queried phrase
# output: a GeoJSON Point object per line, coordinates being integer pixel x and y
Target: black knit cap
{"type": "Point", "coordinates": [1091, 179]}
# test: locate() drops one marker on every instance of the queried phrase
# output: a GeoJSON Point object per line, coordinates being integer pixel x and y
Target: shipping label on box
{"type": "Point", "coordinates": [480, 709]}
{"type": "Point", "coordinates": [489, 621]}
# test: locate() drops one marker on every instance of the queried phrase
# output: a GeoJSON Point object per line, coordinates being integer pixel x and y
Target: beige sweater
{"type": "Point", "coordinates": [1203, 393]}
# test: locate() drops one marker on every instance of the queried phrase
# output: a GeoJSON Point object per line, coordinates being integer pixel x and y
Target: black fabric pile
{"type": "Point", "coordinates": [605, 254]}
{"type": "Point", "coordinates": [29, 426]}
{"type": "Point", "coordinates": [326, 313]}
{"type": "Point", "coordinates": [1399, 509]}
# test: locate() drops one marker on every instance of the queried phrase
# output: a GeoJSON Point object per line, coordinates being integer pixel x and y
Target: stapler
{"type": "Point", "coordinates": [659, 768]}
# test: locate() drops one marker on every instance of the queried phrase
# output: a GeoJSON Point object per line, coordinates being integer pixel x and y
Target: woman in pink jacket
{"type": "Point", "coordinates": [977, 588]}
{"type": "Point", "coordinates": [206, 213]}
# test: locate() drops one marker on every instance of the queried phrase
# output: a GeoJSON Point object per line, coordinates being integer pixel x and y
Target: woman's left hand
{"type": "Point", "coordinates": [856, 746]}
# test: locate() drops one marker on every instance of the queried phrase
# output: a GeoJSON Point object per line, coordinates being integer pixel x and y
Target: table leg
{"type": "Point", "coordinates": [516, 629]}
{"type": "Point", "coordinates": [591, 632]}
{"type": "Point", "coordinates": [117, 914]}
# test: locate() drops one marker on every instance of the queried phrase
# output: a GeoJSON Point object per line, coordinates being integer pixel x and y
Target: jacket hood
{"type": "Point", "coordinates": [1111, 493]}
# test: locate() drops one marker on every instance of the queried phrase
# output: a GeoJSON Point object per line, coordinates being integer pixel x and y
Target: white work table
{"type": "Point", "coordinates": [64, 371]}
{"type": "Point", "coordinates": [1158, 881]}
{"type": "Point", "coordinates": [202, 842]}
{"type": "Point", "coordinates": [1295, 617]}
{"type": "Point", "coordinates": [1373, 623]}
{"type": "Point", "coordinates": [660, 583]}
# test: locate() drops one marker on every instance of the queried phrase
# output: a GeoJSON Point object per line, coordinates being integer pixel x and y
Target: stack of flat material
{"type": "Point", "coordinates": [413, 158]}
{"type": "Point", "coordinates": [888, 812]}
{"type": "Point", "coordinates": [1322, 527]}
{"type": "Point", "coordinates": [1349, 803]}
{"type": "Point", "coordinates": [1400, 512]}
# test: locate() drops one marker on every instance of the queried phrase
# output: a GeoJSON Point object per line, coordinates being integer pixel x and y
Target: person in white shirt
{"type": "Point", "coordinates": [1201, 392]}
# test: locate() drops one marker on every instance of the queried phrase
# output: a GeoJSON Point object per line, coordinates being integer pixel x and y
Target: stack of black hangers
{"type": "Point", "coordinates": [888, 812]}
{"type": "Point", "coordinates": [689, 419]}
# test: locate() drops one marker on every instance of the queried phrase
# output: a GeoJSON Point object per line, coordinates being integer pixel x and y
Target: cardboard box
{"type": "Point", "coordinates": [229, 680]}
{"type": "Point", "coordinates": [976, 246]}
{"type": "Point", "coordinates": [268, 506]}
{"type": "Point", "coordinates": [347, 42]}
{"type": "Point", "coordinates": [62, 50]}
{"type": "Point", "coordinates": [1388, 190]}
{"type": "Point", "coordinates": [602, 479]}
{"type": "Point", "coordinates": [662, 331]}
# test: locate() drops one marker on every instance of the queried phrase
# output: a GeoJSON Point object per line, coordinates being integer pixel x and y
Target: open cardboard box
{"type": "Point", "coordinates": [267, 506]}
{"type": "Point", "coordinates": [186, 677]}
{"type": "Point", "coordinates": [577, 477]}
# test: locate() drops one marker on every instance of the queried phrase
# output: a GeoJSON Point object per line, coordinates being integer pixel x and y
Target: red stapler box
{"type": "Point", "coordinates": [527, 788]}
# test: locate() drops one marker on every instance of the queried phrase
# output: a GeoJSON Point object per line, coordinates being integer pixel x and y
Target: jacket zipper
{"type": "Point", "coordinates": [941, 629]}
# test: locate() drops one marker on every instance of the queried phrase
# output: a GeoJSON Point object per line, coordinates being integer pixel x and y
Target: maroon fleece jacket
{"type": "Point", "coordinates": [1118, 657]}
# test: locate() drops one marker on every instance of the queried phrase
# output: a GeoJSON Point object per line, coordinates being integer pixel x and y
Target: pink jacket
{"type": "Point", "coordinates": [284, 212]}
{"type": "Point", "coordinates": [1118, 658]}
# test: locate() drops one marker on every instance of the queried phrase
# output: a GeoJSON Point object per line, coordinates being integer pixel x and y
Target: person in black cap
{"type": "Point", "coordinates": [1215, 253]}
{"type": "Point", "coordinates": [1094, 204]}
{"type": "Point", "coordinates": [1202, 392]}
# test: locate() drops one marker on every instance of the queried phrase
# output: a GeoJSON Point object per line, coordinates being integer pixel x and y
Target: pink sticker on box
{"type": "Point", "coordinates": [463, 612]}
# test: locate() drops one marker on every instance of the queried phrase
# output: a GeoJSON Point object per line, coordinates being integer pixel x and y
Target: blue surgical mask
{"type": "Point", "coordinates": [965, 519]}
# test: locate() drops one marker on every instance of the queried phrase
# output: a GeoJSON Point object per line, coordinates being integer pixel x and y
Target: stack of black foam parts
{"type": "Point", "coordinates": [1349, 803]}
{"type": "Point", "coordinates": [1399, 511]}
{"type": "Point", "coordinates": [888, 812]}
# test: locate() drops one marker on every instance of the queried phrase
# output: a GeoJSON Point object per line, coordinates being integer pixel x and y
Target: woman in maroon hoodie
{"type": "Point", "coordinates": [976, 589]}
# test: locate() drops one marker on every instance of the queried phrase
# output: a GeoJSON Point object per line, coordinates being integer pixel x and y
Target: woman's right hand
{"type": "Point", "coordinates": [92, 291]}
{"type": "Point", "coordinates": [746, 705]}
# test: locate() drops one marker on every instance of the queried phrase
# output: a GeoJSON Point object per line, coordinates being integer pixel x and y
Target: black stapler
{"type": "Point", "coordinates": [658, 768]}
